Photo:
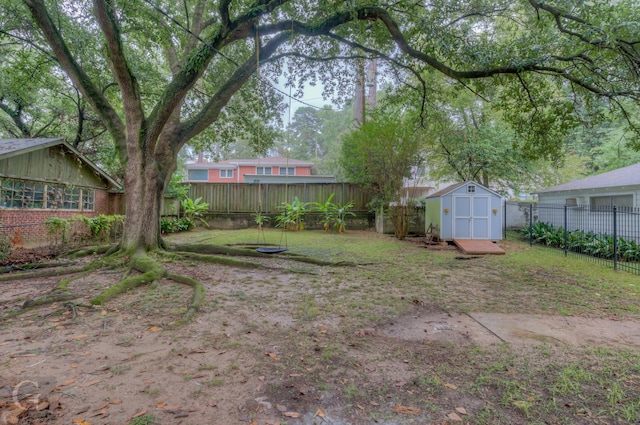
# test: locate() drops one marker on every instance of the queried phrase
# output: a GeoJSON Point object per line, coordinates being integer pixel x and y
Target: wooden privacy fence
{"type": "Point", "coordinates": [267, 197]}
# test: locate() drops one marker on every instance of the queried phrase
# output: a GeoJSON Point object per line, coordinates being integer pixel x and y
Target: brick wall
{"type": "Point", "coordinates": [25, 227]}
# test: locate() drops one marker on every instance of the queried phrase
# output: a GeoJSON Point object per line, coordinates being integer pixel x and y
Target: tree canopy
{"type": "Point", "coordinates": [161, 74]}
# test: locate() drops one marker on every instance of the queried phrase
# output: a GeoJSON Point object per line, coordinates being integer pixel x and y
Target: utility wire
{"type": "Point", "coordinates": [188, 31]}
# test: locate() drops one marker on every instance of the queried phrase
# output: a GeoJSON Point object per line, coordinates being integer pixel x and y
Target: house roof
{"type": "Point", "coordinates": [454, 186]}
{"type": "Point", "coordinates": [259, 162]}
{"type": "Point", "coordinates": [14, 147]}
{"type": "Point", "coordinates": [626, 176]}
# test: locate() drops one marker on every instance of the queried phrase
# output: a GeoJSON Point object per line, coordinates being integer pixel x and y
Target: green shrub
{"type": "Point", "coordinates": [590, 243]}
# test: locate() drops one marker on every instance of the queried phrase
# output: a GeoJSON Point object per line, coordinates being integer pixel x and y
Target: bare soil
{"type": "Point", "coordinates": [267, 348]}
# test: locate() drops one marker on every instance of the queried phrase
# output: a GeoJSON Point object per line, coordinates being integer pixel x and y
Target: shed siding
{"type": "Point", "coordinates": [491, 210]}
{"type": "Point", "coordinates": [433, 213]}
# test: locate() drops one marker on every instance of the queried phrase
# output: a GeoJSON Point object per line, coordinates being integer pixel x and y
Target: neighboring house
{"type": "Point", "coordinates": [587, 204]}
{"type": "Point", "coordinates": [619, 187]}
{"type": "Point", "coordinates": [44, 178]}
{"type": "Point", "coordinates": [262, 170]}
{"type": "Point", "coordinates": [466, 210]}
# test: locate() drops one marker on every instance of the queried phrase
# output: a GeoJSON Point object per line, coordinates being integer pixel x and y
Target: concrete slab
{"type": "Point", "coordinates": [514, 328]}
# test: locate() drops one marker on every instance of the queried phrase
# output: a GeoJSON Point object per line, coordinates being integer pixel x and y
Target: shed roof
{"type": "Point", "coordinates": [626, 176]}
{"type": "Point", "coordinates": [14, 147]}
{"type": "Point", "coordinates": [454, 186]}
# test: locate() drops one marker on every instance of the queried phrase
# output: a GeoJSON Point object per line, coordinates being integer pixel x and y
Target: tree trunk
{"type": "Point", "coordinates": [144, 188]}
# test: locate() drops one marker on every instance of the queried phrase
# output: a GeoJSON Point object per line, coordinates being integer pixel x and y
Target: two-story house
{"type": "Point", "coordinates": [262, 170]}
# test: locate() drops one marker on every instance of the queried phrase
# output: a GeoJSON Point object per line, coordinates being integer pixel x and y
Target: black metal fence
{"type": "Point", "coordinates": [610, 235]}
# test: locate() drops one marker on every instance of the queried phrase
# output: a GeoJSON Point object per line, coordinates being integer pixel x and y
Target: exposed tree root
{"type": "Point", "coordinates": [250, 252]}
{"type": "Point", "coordinates": [198, 294]}
{"type": "Point", "coordinates": [41, 273]}
{"type": "Point", "coordinates": [50, 298]}
{"type": "Point", "coordinates": [33, 266]}
{"type": "Point", "coordinates": [208, 258]}
{"type": "Point", "coordinates": [91, 250]}
{"type": "Point", "coordinates": [151, 271]}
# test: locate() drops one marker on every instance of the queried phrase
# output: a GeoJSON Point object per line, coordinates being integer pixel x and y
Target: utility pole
{"type": "Point", "coordinates": [366, 90]}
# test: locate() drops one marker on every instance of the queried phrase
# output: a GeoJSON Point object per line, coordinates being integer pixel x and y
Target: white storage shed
{"type": "Point", "coordinates": [466, 210]}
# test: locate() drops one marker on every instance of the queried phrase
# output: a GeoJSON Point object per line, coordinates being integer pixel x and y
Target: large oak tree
{"type": "Point", "coordinates": [208, 50]}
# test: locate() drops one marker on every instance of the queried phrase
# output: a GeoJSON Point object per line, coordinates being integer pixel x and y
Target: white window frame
{"type": "Point", "coordinates": [287, 171]}
{"type": "Point", "coordinates": [226, 173]}
{"type": "Point", "coordinates": [264, 171]}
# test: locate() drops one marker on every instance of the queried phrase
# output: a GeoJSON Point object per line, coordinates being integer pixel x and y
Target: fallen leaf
{"type": "Point", "coordinates": [404, 410]}
{"type": "Point", "coordinates": [77, 420]}
{"type": "Point", "coordinates": [140, 413]}
{"type": "Point", "coordinates": [373, 403]}
{"type": "Point", "coordinates": [452, 386]}
{"type": "Point", "coordinates": [161, 405]}
{"type": "Point", "coordinates": [80, 336]}
{"type": "Point", "coordinates": [461, 410]}
{"type": "Point", "coordinates": [281, 407]}
{"type": "Point", "coordinates": [291, 414]}
{"type": "Point", "coordinates": [454, 417]}
{"type": "Point", "coordinates": [90, 383]}
{"type": "Point", "coordinates": [104, 312]}
{"type": "Point", "coordinates": [116, 401]}
{"type": "Point", "coordinates": [253, 422]}
{"type": "Point", "coordinates": [42, 405]}
{"type": "Point", "coordinates": [155, 328]}
{"type": "Point", "coordinates": [68, 382]}
{"type": "Point", "coordinates": [273, 355]}
{"type": "Point", "coordinates": [261, 378]}
{"type": "Point", "coordinates": [74, 365]}
{"type": "Point", "coordinates": [320, 413]}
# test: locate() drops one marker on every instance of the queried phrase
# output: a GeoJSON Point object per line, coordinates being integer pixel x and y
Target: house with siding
{"type": "Point", "coordinates": [44, 178]}
{"type": "Point", "coordinates": [261, 170]}
{"type": "Point", "coordinates": [619, 187]}
{"type": "Point", "coordinates": [587, 204]}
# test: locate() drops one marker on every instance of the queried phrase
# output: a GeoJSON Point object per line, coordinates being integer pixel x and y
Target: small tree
{"type": "Point", "coordinates": [380, 156]}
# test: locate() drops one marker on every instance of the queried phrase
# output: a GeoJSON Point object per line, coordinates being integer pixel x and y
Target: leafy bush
{"type": "Point", "coordinates": [58, 227]}
{"type": "Point", "coordinates": [5, 246]}
{"type": "Point", "coordinates": [334, 215]}
{"type": "Point", "coordinates": [172, 226]}
{"type": "Point", "coordinates": [590, 243]}
{"type": "Point", "coordinates": [194, 209]}
{"type": "Point", "coordinates": [291, 215]}
{"type": "Point", "coordinates": [101, 225]}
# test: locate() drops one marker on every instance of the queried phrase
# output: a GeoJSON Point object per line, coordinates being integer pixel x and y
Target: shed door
{"type": "Point", "coordinates": [471, 217]}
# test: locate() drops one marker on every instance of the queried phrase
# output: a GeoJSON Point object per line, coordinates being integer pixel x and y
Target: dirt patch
{"type": "Point", "coordinates": [297, 344]}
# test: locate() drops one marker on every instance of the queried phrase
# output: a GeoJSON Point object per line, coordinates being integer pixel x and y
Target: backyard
{"type": "Point", "coordinates": [385, 332]}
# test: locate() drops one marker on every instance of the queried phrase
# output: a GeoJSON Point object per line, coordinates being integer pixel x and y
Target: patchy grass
{"type": "Point", "coordinates": [306, 337]}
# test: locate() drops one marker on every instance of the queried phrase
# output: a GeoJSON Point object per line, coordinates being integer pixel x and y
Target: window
{"type": "Point", "coordinates": [290, 171]}
{"type": "Point", "coordinates": [16, 194]}
{"type": "Point", "coordinates": [226, 174]}
{"type": "Point", "coordinates": [88, 199]}
{"type": "Point", "coordinates": [471, 189]}
{"type": "Point", "coordinates": [33, 195]}
{"type": "Point", "coordinates": [199, 175]}
{"type": "Point", "coordinates": [606, 202]}
{"type": "Point", "coordinates": [263, 170]}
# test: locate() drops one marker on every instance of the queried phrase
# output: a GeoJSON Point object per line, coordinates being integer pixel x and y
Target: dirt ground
{"type": "Point", "coordinates": [258, 353]}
